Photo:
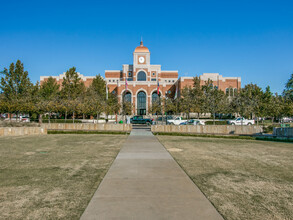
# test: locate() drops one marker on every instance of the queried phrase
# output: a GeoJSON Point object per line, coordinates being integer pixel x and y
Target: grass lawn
{"type": "Point", "coordinates": [244, 179]}
{"type": "Point", "coordinates": [52, 176]}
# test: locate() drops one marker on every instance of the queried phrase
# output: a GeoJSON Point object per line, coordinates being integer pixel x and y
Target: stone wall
{"type": "Point", "coordinates": [283, 132]}
{"type": "Point", "coordinates": [208, 129]}
{"type": "Point", "coordinates": [87, 127]}
{"type": "Point", "coordinates": [16, 131]}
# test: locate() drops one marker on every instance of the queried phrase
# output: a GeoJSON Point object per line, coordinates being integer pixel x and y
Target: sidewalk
{"type": "Point", "coordinates": [145, 182]}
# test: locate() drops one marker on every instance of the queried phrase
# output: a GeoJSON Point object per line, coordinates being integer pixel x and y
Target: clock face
{"type": "Point", "coordinates": [141, 60]}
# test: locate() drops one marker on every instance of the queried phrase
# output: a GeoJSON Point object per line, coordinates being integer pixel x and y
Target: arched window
{"type": "Point", "coordinates": [155, 98]}
{"type": "Point", "coordinates": [127, 97]}
{"type": "Point", "coordinates": [231, 91]}
{"type": "Point", "coordinates": [141, 76]}
{"type": "Point", "coordinates": [227, 91]}
{"type": "Point", "coordinates": [235, 92]}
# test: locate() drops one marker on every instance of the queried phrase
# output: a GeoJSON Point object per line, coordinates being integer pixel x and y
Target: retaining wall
{"type": "Point", "coordinates": [15, 131]}
{"type": "Point", "coordinates": [208, 129]}
{"type": "Point", "coordinates": [91, 127]}
{"type": "Point", "coordinates": [283, 132]}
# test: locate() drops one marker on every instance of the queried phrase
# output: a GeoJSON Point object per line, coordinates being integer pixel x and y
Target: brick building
{"type": "Point", "coordinates": [143, 79]}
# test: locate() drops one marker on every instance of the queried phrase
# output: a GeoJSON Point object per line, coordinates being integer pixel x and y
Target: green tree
{"type": "Point", "coordinates": [111, 106]}
{"type": "Point", "coordinates": [16, 88]}
{"type": "Point", "coordinates": [288, 91]}
{"type": "Point", "coordinates": [49, 89]}
{"type": "Point", "coordinates": [267, 105]}
{"type": "Point", "coordinates": [187, 101]}
{"type": "Point", "coordinates": [72, 89]}
{"type": "Point", "coordinates": [215, 100]}
{"type": "Point", "coordinates": [197, 96]}
{"type": "Point", "coordinates": [97, 96]}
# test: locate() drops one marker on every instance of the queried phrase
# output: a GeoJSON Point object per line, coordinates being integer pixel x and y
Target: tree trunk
{"type": "Point", "coordinates": [82, 115]}
{"type": "Point", "coordinates": [40, 118]}
{"type": "Point", "coordinates": [73, 117]}
{"type": "Point", "coordinates": [49, 118]}
{"type": "Point", "coordinates": [65, 116]}
{"type": "Point", "coordinates": [257, 121]}
{"type": "Point", "coordinates": [214, 119]}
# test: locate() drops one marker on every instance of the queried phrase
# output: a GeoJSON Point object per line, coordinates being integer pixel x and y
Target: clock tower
{"type": "Point", "coordinates": [141, 57]}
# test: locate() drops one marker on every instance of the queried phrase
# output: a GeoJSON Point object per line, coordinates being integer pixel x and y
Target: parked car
{"type": "Point", "coordinates": [241, 121]}
{"type": "Point", "coordinates": [286, 120]}
{"type": "Point", "coordinates": [18, 119]}
{"type": "Point", "coordinates": [25, 119]}
{"type": "Point", "coordinates": [176, 121]}
{"type": "Point", "coordinates": [139, 119]}
{"type": "Point", "coordinates": [193, 122]}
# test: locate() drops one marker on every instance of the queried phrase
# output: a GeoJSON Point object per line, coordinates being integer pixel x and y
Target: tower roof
{"type": "Point", "coordinates": [141, 48]}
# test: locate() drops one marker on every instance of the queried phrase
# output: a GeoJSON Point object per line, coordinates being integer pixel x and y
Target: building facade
{"type": "Point", "coordinates": [142, 83]}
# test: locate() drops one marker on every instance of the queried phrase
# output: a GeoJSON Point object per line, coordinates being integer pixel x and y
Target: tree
{"type": "Point", "coordinates": [96, 96]}
{"type": "Point", "coordinates": [267, 105]}
{"type": "Point", "coordinates": [49, 89]}
{"type": "Point", "coordinates": [72, 89]}
{"type": "Point", "coordinates": [16, 87]}
{"type": "Point", "coordinates": [214, 99]}
{"type": "Point", "coordinates": [99, 86]}
{"type": "Point", "coordinates": [288, 91]}
{"type": "Point", "coordinates": [111, 106]}
{"type": "Point", "coordinates": [187, 101]}
{"type": "Point", "coordinates": [197, 96]}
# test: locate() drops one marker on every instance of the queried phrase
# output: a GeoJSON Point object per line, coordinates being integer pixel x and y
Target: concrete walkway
{"type": "Point", "coordinates": [145, 182]}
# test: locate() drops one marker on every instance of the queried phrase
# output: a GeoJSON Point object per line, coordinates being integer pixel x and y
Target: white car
{"type": "Point", "coordinates": [176, 121]}
{"type": "Point", "coordinates": [241, 121]}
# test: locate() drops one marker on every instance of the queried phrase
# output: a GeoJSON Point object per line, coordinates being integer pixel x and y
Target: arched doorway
{"type": "Point", "coordinates": [141, 103]}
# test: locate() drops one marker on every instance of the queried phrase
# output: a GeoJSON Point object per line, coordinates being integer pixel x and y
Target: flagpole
{"type": "Point", "coordinates": [106, 91]}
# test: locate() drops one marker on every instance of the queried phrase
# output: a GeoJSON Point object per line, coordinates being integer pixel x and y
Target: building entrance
{"type": "Point", "coordinates": [141, 103]}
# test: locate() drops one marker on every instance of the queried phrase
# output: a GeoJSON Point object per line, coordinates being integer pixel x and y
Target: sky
{"type": "Point", "coordinates": [248, 39]}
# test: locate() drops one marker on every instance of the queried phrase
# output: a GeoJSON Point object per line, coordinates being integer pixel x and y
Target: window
{"type": "Point", "coordinates": [227, 91]}
{"type": "Point", "coordinates": [127, 97]}
{"type": "Point", "coordinates": [169, 80]}
{"type": "Point", "coordinates": [129, 73]}
{"type": "Point", "coordinates": [141, 76]}
{"type": "Point", "coordinates": [154, 74]}
{"type": "Point", "coordinates": [109, 80]}
{"type": "Point", "coordinates": [173, 80]}
{"type": "Point", "coordinates": [155, 98]}
{"type": "Point", "coordinates": [231, 92]}
{"type": "Point", "coordinates": [154, 79]}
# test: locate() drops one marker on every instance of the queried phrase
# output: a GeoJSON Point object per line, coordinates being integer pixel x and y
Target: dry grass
{"type": "Point", "coordinates": [53, 176]}
{"type": "Point", "coordinates": [244, 179]}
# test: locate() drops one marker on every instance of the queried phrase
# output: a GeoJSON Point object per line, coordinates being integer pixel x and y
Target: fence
{"type": "Point", "coordinates": [283, 132]}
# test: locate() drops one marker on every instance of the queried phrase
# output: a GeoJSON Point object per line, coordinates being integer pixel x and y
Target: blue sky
{"type": "Point", "coordinates": [250, 39]}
